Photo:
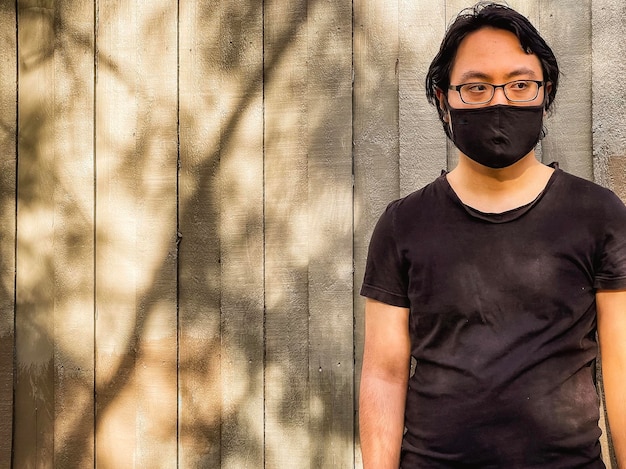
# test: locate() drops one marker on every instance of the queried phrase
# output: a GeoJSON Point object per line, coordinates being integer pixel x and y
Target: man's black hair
{"type": "Point", "coordinates": [493, 15]}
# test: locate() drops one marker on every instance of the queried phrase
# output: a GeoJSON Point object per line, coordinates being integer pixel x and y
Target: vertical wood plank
{"type": "Point", "coordinates": [73, 254]}
{"type": "Point", "coordinates": [241, 233]}
{"type": "Point", "coordinates": [287, 441]}
{"type": "Point", "coordinates": [136, 214]}
{"type": "Point", "coordinates": [116, 174]}
{"type": "Point", "coordinates": [568, 32]}
{"type": "Point", "coordinates": [376, 139]}
{"type": "Point", "coordinates": [609, 95]}
{"type": "Point", "coordinates": [329, 115]}
{"type": "Point", "coordinates": [422, 138]}
{"type": "Point", "coordinates": [34, 384]}
{"type": "Point", "coordinates": [8, 130]}
{"type": "Point", "coordinates": [201, 111]}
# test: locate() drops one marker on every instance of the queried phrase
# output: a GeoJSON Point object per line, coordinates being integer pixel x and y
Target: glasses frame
{"type": "Point", "coordinates": [457, 88]}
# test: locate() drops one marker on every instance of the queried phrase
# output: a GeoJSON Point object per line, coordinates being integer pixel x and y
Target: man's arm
{"type": "Point", "coordinates": [612, 334]}
{"type": "Point", "coordinates": [384, 381]}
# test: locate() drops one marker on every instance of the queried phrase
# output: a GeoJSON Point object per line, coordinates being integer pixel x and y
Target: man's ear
{"type": "Point", "coordinates": [548, 89]}
{"type": "Point", "coordinates": [443, 103]}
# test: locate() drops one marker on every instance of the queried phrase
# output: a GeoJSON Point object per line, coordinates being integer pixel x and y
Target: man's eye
{"type": "Point", "coordinates": [519, 85]}
{"type": "Point", "coordinates": [476, 88]}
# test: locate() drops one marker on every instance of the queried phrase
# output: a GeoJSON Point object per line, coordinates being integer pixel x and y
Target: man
{"type": "Point", "coordinates": [494, 278]}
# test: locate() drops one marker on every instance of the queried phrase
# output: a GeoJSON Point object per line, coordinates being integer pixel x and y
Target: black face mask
{"type": "Point", "coordinates": [497, 136]}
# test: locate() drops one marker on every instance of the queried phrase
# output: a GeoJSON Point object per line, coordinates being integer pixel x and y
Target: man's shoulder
{"type": "Point", "coordinates": [572, 181]}
{"type": "Point", "coordinates": [424, 197]}
{"type": "Point", "coordinates": [587, 193]}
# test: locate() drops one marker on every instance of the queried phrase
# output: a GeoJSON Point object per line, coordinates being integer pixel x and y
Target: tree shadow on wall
{"type": "Point", "coordinates": [237, 385]}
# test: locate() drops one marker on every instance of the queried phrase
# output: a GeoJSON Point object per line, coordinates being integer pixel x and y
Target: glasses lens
{"type": "Point", "coordinates": [521, 90]}
{"type": "Point", "coordinates": [476, 93]}
{"type": "Point", "coordinates": [515, 91]}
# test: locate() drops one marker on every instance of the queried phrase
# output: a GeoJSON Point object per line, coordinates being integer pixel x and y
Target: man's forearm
{"type": "Point", "coordinates": [381, 421]}
{"type": "Point", "coordinates": [616, 409]}
{"type": "Point", "coordinates": [611, 307]}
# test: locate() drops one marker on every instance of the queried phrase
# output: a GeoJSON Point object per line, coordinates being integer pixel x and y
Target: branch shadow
{"type": "Point", "coordinates": [189, 275]}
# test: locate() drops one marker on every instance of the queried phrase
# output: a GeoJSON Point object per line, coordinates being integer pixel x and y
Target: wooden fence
{"type": "Point", "coordinates": [187, 193]}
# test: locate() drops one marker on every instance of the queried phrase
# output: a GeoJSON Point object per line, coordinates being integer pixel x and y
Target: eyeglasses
{"type": "Point", "coordinates": [518, 91]}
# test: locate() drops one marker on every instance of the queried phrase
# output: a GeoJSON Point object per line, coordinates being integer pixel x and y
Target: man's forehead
{"type": "Point", "coordinates": [488, 52]}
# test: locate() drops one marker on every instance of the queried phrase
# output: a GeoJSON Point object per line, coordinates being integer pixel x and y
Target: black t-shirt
{"type": "Point", "coordinates": [502, 322]}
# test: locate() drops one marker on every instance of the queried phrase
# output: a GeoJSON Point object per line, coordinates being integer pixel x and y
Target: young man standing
{"type": "Point", "coordinates": [495, 278]}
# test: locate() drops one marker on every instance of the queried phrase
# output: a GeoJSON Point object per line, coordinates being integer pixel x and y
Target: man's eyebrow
{"type": "Point", "coordinates": [524, 71]}
{"type": "Point", "coordinates": [474, 75]}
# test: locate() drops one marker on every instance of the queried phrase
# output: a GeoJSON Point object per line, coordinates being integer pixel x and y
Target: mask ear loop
{"type": "Point", "coordinates": [544, 129]}
{"type": "Point", "coordinates": [445, 107]}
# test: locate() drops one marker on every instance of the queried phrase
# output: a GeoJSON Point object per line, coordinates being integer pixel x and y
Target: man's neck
{"type": "Point", "coordinates": [498, 190]}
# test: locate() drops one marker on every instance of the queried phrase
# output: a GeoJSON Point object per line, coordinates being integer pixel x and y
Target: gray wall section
{"type": "Point", "coordinates": [609, 94]}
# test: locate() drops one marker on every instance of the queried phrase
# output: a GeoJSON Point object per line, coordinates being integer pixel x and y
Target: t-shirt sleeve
{"type": "Point", "coordinates": [386, 278]}
{"type": "Point", "coordinates": [611, 271]}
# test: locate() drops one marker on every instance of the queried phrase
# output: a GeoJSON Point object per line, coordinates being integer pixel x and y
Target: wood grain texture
{"type": "Point", "coordinates": [136, 207]}
{"type": "Point", "coordinates": [8, 138]}
{"type": "Point", "coordinates": [35, 285]}
{"type": "Point", "coordinates": [329, 116]}
{"type": "Point", "coordinates": [241, 233]}
{"type": "Point", "coordinates": [117, 169]}
{"type": "Point", "coordinates": [201, 111]}
{"type": "Point", "coordinates": [287, 440]}
{"type": "Point", "coordinates": [73, 255]}
{"type": "Point", "coordinates": [422, 138]}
